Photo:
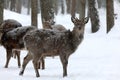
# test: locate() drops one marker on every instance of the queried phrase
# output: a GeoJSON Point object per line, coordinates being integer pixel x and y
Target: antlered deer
{"type": "Point", "coordinates": [53, 43]}
{"type": "Point", "coordinates": [6, 26]}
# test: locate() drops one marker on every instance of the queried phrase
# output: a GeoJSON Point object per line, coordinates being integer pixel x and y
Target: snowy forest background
{"type": "Point", "coordinates": [97, 58]}
{"type": "Point", "coordinates": [50, 8]}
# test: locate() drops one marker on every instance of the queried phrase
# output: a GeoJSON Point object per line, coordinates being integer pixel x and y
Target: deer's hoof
{"type": "Point", "coordinates": [6, 67]}
{"type": "Point", "coordinates": [21, 73]}
{"type": "Point", "coordinates": [37, 75]}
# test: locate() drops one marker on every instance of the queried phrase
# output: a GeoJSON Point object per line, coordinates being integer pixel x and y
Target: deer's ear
{"type": "Point", "coordinates": [73, 19]}
{"type": "Point", "coordinates": [86, 20]}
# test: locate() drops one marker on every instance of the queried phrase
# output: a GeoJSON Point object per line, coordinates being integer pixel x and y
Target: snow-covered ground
{"type": "Point", "coordinates": [97, 58]}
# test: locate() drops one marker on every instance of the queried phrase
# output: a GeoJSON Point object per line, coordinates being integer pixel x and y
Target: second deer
{"type": "Point", "coordinates": [6, 26]}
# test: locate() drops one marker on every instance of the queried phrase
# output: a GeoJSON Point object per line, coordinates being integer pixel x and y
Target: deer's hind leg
{"type": "Point", "coordinates": [27, 58]}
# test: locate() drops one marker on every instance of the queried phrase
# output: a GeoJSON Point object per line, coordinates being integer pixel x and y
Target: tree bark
{"type": "Point", "coordinates": [28, 7]}
{"type": "Point", "coordinates": [73, 8]}
{"type": "Point", "coordinates": [68, 3]}
{"type": "Point", "coordinates": [1, 15]}
{"type": "Point", "coordinates": [109, 14]}
{"type": "Point", "coordinates": [6, 4]}
{"type": "Point", "coordinates": [12, 5]}
{"type": "Point", "coordinates": [34, 12]}
{"type": "Point", "coordinates": [56, 9]}
{"type": "Point", "coordinates": [47, 11]}
{"type": "Point", "coordinates": [82, 8]}
{"type": "Point", "coordinates": [1, 10]}
{"type": "Point", "coordinates": [99, 3]}
{"type": "Point", "coordinates": [94, 17]}
{"type": "Point", "coordinates": [18, 6]}
{"type": "Point", "coordinates": [62, 7]}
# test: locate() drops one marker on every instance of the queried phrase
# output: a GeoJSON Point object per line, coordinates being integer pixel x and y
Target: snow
{"type": "Point", "coordinates": [97, 58]}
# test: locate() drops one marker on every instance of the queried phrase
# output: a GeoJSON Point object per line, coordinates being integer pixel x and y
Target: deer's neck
{"type": "Point", "coordinates": [76, 39]}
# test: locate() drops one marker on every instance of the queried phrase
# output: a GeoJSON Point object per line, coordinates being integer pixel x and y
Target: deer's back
{"type": "Point", "coordinates": [14, 38]}
{"type": "Point", "coordinates": [58, 27]}
{"type": "Point", "coordinates": [47, 41]}
{"type": "Point", "coordinates": [10, 24]}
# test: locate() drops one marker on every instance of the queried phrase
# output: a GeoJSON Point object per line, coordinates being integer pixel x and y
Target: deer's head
{"type": "Point", "coordinates": [47, 25]}
{"type": "Point", "coordinates": [79, 25]}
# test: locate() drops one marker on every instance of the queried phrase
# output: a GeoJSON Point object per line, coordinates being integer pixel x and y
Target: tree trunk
{"type": "Point", "coordinates": [99, 3]}
{"type": "Point", "coordinates": [18, 6]}
{"type": "Point", "coordinates": [12, 5]}
{"type": "Point", "coordinates": [109, 14]}
{"type": "Point", "coordinates": [34, 12]}
{"type": "Point", "coordinates": [28, 7]}
{"type": "Point", "coordinates": [93, 13]}
{"type": "Point", "coordinates": [1, 10]}
{"type": "Point", "coordinates": [62, 7]}
{"type": "Point", "coordinates": [82, 8]}
{"type": "Point", "coordinates": [68, 3]}
{"type": "Point", "coordinates": [73, 8]}
{"type": "Point", "coordinates": [56, 6]}
{"type": "Point", "coordinates": [47, 11]}
{"type": "Point", "coordinates": [1, 15]}
{"type": "Point", "coordinates": [6, 4]}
